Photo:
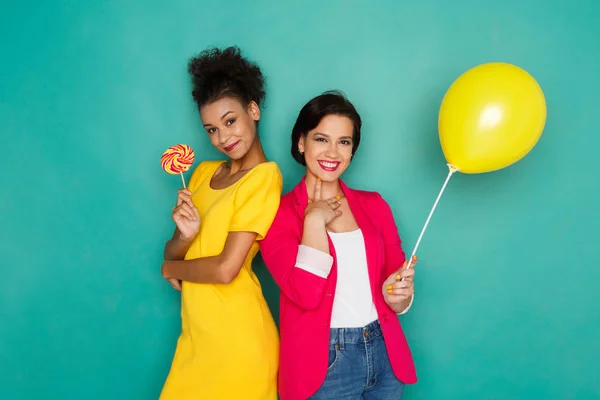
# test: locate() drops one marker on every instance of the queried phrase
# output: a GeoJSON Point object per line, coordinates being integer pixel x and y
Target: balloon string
{"type": "Point", "coordinates": [182, 180]}
{"type": "Point", "coordinates": [452, 169]}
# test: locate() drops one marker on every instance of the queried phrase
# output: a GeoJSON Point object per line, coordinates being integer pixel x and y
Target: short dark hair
{"type": "Point", "coordinates": [218, 73]}
{"type": "Point", "coordinates": [332, 102]}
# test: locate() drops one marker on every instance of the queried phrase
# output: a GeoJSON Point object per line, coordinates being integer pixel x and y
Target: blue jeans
{"type": "Point", "coordinates": [359, 367]}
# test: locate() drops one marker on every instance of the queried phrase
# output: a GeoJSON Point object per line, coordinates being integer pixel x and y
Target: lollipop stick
{"type": "Point", "coordinates": [182, 180]}
{"type": "Point", "coordinates": [452, 169]}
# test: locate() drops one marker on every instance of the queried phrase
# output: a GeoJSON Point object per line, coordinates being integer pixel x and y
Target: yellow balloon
{"type": "Point", "coordinates": [491, 117]}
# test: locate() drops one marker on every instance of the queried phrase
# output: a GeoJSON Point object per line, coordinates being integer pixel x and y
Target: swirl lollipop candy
{"type": "Point", "coordinates": [177, 159]}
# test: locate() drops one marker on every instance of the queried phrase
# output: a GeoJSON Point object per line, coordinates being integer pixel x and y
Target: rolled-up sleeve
{"type": "Point", "coordinates": [314, 261]}
{"type": "Point", "coordinates": [300, 271]}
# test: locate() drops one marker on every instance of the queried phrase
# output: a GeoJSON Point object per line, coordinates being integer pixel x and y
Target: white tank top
{"type": "Point", "coordinates": [353, 305]}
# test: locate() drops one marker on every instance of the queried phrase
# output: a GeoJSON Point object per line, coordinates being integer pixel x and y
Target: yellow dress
{"type": "Point", "coordinates": [229, 344]}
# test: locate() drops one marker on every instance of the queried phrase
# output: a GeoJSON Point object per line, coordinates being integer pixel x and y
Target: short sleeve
{"type": "Point", "coordinates": [257, 200]}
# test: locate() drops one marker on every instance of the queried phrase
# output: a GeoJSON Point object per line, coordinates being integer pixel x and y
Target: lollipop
{"type": "Point", "coordinates": [177, 159]}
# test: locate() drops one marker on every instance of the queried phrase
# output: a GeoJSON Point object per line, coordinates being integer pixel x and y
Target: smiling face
{"type": "Point", "coordinates": [327, 149]}
{"type": "Point", "coordinates": [231, 127]}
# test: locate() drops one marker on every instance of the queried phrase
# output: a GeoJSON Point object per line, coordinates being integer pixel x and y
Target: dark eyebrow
{"type": "Point", "coordinates": [327, 136]}
{"type": "Point", "coordinates": [223, 116]}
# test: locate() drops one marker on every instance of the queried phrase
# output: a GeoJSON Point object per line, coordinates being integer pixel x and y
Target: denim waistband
{"type": "Point", "coordinates": [341, 336]}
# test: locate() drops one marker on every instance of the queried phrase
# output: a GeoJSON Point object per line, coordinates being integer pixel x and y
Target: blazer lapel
{"type": "Point", "coordinates": [301, 198]}
{"type": "Point", "coordinates": [370, 233]}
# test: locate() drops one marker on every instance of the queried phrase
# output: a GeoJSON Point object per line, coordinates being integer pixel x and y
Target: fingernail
{"type": "Point", "coordinates": [338, 197]}
{"type": "Point", "coordinates": [390, 291]}
{"type": "Point", "coordinates": [318, 179]}
{"type": "Point", "coordinates": [389, 287]}
{"type": "Point", "coordinates": [397, 276]}
{"type": "Point", "coordinates": [308, 201]}
{"type": "Point", "coordinates": [415, 258]}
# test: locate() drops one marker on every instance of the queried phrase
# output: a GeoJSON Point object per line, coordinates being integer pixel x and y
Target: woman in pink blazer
{"type": "Point", "coordinates": [336, 255]}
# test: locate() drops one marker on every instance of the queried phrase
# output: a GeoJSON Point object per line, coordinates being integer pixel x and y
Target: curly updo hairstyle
{"type": "Point", "coordinates": [219, 73]}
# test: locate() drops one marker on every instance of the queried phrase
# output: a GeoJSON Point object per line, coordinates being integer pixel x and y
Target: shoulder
{"type": "Point", "coordinates": [374, 202]}
{"type": "Point", "coordinates": [370, 197]}
{"type": "Point", "coordinates": [202, 170]}
{"type": "Point", "coordinates": [286, 211]}
{"type": "Point", "coordinates": [266, 170]}
{"type": "Point", "coordinates": [288, 201]}
{"type": "Point", "coordinates": [264, 176]}
{"type": "Point", "coordinates": [287, 221]}
{"type": "Point", "coordinates": [260, 186]}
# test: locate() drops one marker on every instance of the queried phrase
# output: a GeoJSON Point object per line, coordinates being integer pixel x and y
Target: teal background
{"type": "Point", "coordinates": [93, 91]}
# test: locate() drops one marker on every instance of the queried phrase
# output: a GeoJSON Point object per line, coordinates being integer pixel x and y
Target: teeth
{"type": "Point", "coordinates": [329, 164]}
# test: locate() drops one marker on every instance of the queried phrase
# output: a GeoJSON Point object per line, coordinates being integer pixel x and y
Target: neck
{"type": "Point", "coordinates": [328, 189]}
{"type": "Point", "coordinates": [251, 159]}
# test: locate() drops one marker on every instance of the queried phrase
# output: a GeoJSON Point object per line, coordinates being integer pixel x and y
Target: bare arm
{"type": "Point", "coordinates": [318, 215]}
{"type": "Point", "coordinates": [315, 234]}
{"type": "Point", "coordinates": [177, 246]}
{"type": "Point", "coordinates": [222, 268]}
{"type": "Point", "coordinates": [187, 221]}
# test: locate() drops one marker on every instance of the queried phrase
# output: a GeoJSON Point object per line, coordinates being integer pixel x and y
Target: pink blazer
{"type": "Point", "coordinates": [307, 298]}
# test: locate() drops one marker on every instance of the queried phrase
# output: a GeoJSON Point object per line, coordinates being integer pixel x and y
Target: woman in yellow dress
{"type": "Point", "coordinates": [229, 344]}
